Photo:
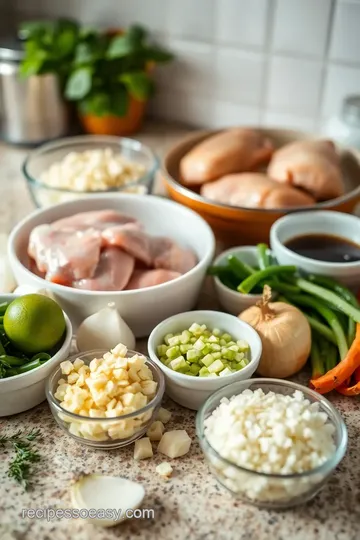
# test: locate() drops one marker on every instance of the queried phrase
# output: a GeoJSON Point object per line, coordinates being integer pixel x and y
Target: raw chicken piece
{"type": "Point", "coordinates": [254, 190]}
{"type": "Point", "coordinates": [112, 273]}
{"type": "Point", "coordinates": [64, 255]}
{"type": "Point", "coordinates": [310, 165]}
{"type": "Point", "coordinates": [99, 220]}
{"type": "Point", "coordinates": [231, 151]}
{"type": "Point", "coordinates": [130, 239]}
{"type": "Point", "coordinates": [148, 278]}
{"type": "Point", "coordinates": [169, 255]}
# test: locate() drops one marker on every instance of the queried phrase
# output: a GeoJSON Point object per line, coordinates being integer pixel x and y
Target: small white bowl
{"type": "Point", "coordinates": [191, 392]}
{"type": "Point", "coordinates": [235, 302]}
{"type": "Point", "coordinates": [142, 309]}
{"type": "Point", "coordinates": [23, 392]}
{"type": "Point", "coordinates": [322, 222]}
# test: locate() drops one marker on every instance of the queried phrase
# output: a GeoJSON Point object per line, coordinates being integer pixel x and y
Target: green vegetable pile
{"type": "Point", "coordinates": [12, 361]}
{"type": "Point", "coordinates": [201, 352]}
{"type": "Point", "coordinates": [331, 309]}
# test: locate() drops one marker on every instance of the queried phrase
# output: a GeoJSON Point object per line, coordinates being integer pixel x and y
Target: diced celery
{"type": "Point", "coordinates": [203, 327]}
{"type": "Point", "coordinates": [216, 332]}
{"type": "Point", "coordinates": [178, 363]}
{"type": "Point", "coordinates": [233, 348]}
{"type": "Point", "coordinates": [226, 337]}
{"type": "Point", "coordinates": [204, 372]}
{"type": "Point", "coordinates": [174, 341]}
{"type": "Point", "coordinates": [244, 362]}
{"type": "Point", "coordinates": [243, 345]}
{"type": "Point", "coordinates": [230, 343]}
{"type": "Point", "coordinates": [215, 347]}
{"type": "Point", "coordinates": [195, 368]}
{"type": "Point", "coordinates": [207, 360]}
{"type": "Point", "coordinates": [185, 336]}
{"type": "Point", "coordinates": [189, 373]}
{"type": "Point", "coordinates": [216, 366]}
{"type": "Point", "coordinates": [239, 357]}
{"type": "Point", "coordinates": [161, 350]}
{"type": "Point", "coordinates": [226, 371]}
{"type": "Point", "coordinates": [222, 342]}
{"type": "Point", "coordinates": [185, 348]}
{"type": "Point", "coordinates": [213, 339]}
{"type": "Point", "coordinates": [167, 337]}
{"type": "Point", "coordinates": [229, 355]}
{"type": "Point", "coordinates": [195, 327]}
{"type": "Point", "coordinates": [193, 355]}
{"type": "Point", "coordinates": [173, 352]}
{"type": "Point", "coordinates": [193, 340]}
{"type": "Point", "coordinates": [212, 375]}
{"type": "Point", "coordinates": [199, 344]}
{"type": "Point", "coordinates": [216, 355]}
{"type": "Point", "coordinates": [206, 349]}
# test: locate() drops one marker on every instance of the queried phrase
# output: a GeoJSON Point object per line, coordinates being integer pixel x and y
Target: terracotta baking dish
{"type": "Point", "coordinates": [240, 226]}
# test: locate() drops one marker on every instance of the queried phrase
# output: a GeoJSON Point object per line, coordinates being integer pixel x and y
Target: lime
{"type": "Point", "coordinates": [34, 323]}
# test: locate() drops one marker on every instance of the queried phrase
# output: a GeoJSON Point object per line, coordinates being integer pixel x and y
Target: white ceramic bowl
{"type": "Point", "coordinates": [235, 302]}
{"type": "Point", "coordinates": [25, 391]}
{"type": "Point", "coordinates": [323, 222]}
{"type": "Point", "coordinates": [142, 309]}
{"type": "Point", "coordinates": [191, 392]}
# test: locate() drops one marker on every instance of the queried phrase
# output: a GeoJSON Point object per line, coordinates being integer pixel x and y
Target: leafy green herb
{"type": "Point", "coordinates": [25, 455]}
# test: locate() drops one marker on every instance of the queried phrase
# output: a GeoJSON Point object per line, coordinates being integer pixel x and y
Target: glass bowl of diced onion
{"type": "Point", "coordinates": [268, 465]}
{"type": "Point", "coordinates": [104, 432]}
{"type": "Point", "coordinates": [85, 165]}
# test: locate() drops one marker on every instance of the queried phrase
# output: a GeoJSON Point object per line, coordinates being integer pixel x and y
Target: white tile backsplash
{"type": "Point", "coordinates": [286, 63]}
{"type": "Point", "coordinates": [294, 86]}
{"type": "Point", "coordinates": [301, 26]}
{"type": "Point", "coordinates": [345, 42]}
{"type": "Point", "coordinates": [241, 22]}
{"type": "Point", "coordinates": [238, 76]}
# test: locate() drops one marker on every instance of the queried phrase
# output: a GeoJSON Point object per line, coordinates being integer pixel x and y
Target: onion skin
{"type": "Point", "coordinates": [286, 338]}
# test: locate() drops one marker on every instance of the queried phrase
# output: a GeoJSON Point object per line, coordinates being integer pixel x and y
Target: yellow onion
{"type": "Point", "coordinates": [285, 334]}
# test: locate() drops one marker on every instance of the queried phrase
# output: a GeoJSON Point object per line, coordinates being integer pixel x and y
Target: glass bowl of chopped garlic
{"type": "Point", "coordinates": [106, 399]}
{"type": "Point", "coordinates": [75, 167]}
{"type": "Point", "coordinates": [269, 442]}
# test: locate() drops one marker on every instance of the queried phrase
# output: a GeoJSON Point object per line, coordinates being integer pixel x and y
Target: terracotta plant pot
{"type": "Point", "coordinates": [116, 125]}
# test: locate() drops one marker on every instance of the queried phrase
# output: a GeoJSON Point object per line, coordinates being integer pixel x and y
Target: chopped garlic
{"type": "Point", "coordinates": [174, 443]}
{"type": "Point", "coordinates": [143, 449]}
{"type": "Point", "coordinates": [164, 415]}
{"type": "Point", "coordinates": [164, 469]}
{"type": "Point", "coordinates": [155, 431]}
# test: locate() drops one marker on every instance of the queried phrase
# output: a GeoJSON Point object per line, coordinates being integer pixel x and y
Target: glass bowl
{"type": "Point", "coordinates": [105, 433]}
{"type": "Point", "coordinates": [271, 490]}
{"type": "Point", "coordinates": [39, 160]}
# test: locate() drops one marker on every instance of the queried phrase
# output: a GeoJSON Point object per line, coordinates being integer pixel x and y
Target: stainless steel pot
{"type": "Point", "coordinates": [31, 110]}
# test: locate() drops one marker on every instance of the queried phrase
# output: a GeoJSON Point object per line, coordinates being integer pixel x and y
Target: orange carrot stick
{"type": "Point", "coordinates": [357, 375]}
{"type": "Point", "coordinates": [338, 375]}
{"type": "Point", "coordinates": [349, 390]}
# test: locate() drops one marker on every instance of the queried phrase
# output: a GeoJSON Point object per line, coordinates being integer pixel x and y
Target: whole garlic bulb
{"type": "Point", "coordinates": [104, 330]}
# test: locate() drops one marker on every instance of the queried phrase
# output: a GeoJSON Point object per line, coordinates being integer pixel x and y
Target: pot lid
{"type": "Point", "coordinates": [11, 49]}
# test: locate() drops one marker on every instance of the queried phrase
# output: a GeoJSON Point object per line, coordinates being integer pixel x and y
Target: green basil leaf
{"type": "Point", "coordinates": [121, 46]}
{"type": "Point", "coordinates": [138, 84]}
{"type": "Point", "coordinates": [65, 42]}
{"type": "Point", "coordinates": [33, 63]}
{"type": "Point", "coordinates": [79, 84]}
{"type": "Point", "coordinates": [98, 105]}
{"type": "Point", "coordinates": [83, 53]}
{"type": "Point", "coordinates": [136, 34]}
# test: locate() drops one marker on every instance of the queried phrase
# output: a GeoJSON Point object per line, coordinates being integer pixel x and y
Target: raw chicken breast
{"type": "Point", "coordinates": [63, 255]}
{"type": "Point", "coordinates": [112, 273]}
{"type": "Point", "coordinates": [169, 255]}
{"type": "Point", "coordinates": [233, 150]}
{"type": "Point", "coordinates": [310, 165]}
{"type": "Point", "coordinates": [98, 220]}
{"type": "Point", "coordinates": [254, 190]}
{"type": "Point", "coordinates": [148, 278]}
{"type": "Point", "coordinates": [130, 239]}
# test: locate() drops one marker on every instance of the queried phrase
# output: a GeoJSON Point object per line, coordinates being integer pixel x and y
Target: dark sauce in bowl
{"type": "Point", "coordinates": [325, 247]}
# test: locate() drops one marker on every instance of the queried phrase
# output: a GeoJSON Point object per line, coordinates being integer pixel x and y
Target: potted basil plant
{"type": "Point", "coordinates": [110, 79]}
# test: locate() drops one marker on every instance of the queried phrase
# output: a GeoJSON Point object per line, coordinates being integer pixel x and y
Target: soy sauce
{"type": "Point", "coordinates": [325, 247]}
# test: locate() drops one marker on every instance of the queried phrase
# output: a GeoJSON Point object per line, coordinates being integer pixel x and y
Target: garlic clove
{"type": "Point", "coordinates": [7, 279]}
{"type": "Point", "coordinates": [112, 493]}
{"type": "Point", "coordinates": [104, 330]}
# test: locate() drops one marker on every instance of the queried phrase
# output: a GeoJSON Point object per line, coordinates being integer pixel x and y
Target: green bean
{"type": "Point", "coordinates": [10, 372]}
{"type": "Point", "coordinates": [250, 282]}
{"type": "Point", "coordinates": [239, 268]}
{"type": "Point", "coordinates": [2, 349]}
{"type": "Point", "coordinates": [331, 359]}
{"type": "Point", "coordinates": [328, 315]}
{"type": "Point", "coordinates": [283, 287]}
{"type": "Point", "coordinates": [12, 361]}
{"type": "Point", "coordinates": [218, 270]}
{"type": "Point", "coordinates": [263, 256]}
{"type": "Point", "coordinates": [42, 356]}
{"type": "Point", "coordinates": [3, 307]}
{"type": "Point", "coordinates": [317, 365]}
{"type": "Point", "coordinates": [29, 366]}
{"type": "Point", "coordinates": [331, 297]}
{"type": "Point", "coordinates": [321, 328]}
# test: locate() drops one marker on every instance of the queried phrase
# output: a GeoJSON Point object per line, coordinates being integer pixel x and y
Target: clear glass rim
{"type": "Point", "coordinates": [98, 353]}
{"type": "Point", "coordinates": [68, 141]}
{"type": "Point", "coordinates": [326, 467]}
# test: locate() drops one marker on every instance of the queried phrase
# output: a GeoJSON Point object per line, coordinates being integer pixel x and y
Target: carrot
{"type": "Point", "coordinates": [342, 371]}
{"type": "Point", "coordinates": [349, 390]}
{"type": "Point", "coordinates": [357, 375]}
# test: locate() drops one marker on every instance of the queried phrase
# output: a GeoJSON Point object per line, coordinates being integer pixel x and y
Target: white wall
{"type": "Point", "coordinates": [269, 62]}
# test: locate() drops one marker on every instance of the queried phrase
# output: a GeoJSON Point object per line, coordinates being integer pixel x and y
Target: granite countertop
{"type": "Point", "coordinates": [189, 506]}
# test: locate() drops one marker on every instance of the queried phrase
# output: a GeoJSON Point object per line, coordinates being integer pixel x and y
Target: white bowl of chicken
{"type": "Point", "coordinates": [148, 255]}
{"type": "Point", "coordinates": [241, 180]}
